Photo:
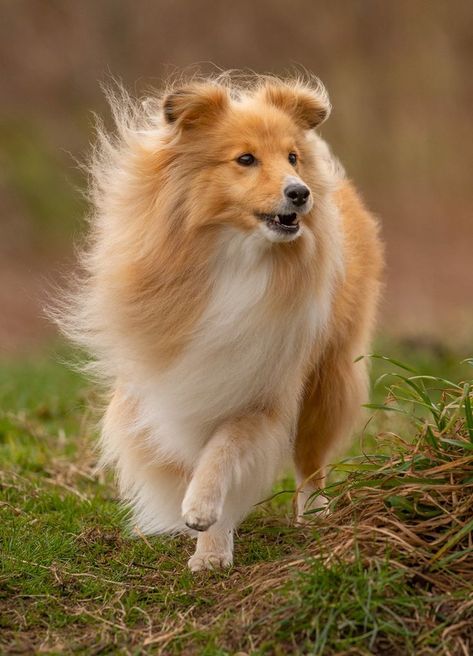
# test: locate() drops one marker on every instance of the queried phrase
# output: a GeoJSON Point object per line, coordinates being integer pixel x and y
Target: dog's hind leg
{"type": "Point", "coordinates": [153, 487]}
{"type": "Point", "coordinates": [236, 469]}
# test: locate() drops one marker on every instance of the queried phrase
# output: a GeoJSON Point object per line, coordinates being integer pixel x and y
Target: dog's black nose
{"type": "Point", "coordinates": [297, 194]}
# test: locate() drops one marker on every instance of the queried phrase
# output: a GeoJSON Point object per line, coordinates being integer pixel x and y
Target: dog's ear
{"type": "Point", "coordinates": [308, 106]}
{"type": "Point", "coordinates": [195, 104]}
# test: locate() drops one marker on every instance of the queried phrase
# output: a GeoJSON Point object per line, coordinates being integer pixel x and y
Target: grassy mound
{"type": "Point", "coordinates": [388, 571]}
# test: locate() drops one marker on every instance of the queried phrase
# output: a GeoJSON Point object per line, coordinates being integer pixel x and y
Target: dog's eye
{"type": "Point", "coordinates": [292, 157]}
{"type": "Point", "coordinates": [246, 160]}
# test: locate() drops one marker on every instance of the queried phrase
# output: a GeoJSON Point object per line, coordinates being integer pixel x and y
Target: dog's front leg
{"type": "Point", "coordinates": [236, 469]}
{"type": "Point", "coordinates": [214, 549]}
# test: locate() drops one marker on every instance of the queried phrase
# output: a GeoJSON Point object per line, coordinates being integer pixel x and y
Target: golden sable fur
{"type": "Point", "coordinates": [230, 282]}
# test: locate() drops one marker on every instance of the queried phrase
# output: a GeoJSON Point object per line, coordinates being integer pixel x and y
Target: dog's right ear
{"type": "Point", "coordinates": [308, 104]}
{"type": "Point", "coordinates": [195, 104]}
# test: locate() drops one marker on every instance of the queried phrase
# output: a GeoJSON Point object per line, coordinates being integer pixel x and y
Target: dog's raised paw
{"type": "Point", "coordinates": [199, 521]}
{"type": "Point", "coordinates": [209, 560]}
{"type": "Point", "coordinates": [200, 515]}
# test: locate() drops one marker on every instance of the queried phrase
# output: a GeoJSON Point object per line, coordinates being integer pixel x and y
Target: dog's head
{"type": "Point", "coordinates": [248, 155]}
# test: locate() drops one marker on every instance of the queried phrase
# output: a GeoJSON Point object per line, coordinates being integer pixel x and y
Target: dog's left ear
{"type": "Point", "coordinates": [195, 104]}
{"type": "Point", "coordinates": [309, 107]}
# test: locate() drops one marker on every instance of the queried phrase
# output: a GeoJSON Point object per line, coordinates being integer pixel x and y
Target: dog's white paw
{"type": "Point", "coordinates": [200, 514]}
{"type": "Point", "coordinates": [311, 508]}
{"type": "Point", "coordinates": [209, 560]}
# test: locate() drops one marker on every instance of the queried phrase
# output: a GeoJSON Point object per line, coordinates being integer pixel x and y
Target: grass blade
{"type": "Point", "coordinates": [397, 363]}
{"type": "Point", "coordinates": [468, 411]}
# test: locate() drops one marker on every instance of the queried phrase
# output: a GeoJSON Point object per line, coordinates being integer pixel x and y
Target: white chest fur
{"type": "Point", "coordinates": [239, 353]}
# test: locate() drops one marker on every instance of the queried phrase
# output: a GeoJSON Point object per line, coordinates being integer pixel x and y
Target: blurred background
{"type": "Point", "coordinates": [400, 78]}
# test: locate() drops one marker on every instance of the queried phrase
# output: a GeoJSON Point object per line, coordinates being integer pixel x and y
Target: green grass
{"type": "Point", "coordinates": [390, 571]}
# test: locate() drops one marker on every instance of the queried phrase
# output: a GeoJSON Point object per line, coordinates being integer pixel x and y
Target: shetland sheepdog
{"type": "Point", "coordinates": [229, 283]}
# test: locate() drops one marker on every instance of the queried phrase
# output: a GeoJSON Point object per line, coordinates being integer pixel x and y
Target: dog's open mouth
{"type": "Point", "coordinates": [288, 223]}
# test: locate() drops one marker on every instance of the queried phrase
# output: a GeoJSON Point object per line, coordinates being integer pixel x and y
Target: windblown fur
{"type": "Point", "coordinates": [226, 337]}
